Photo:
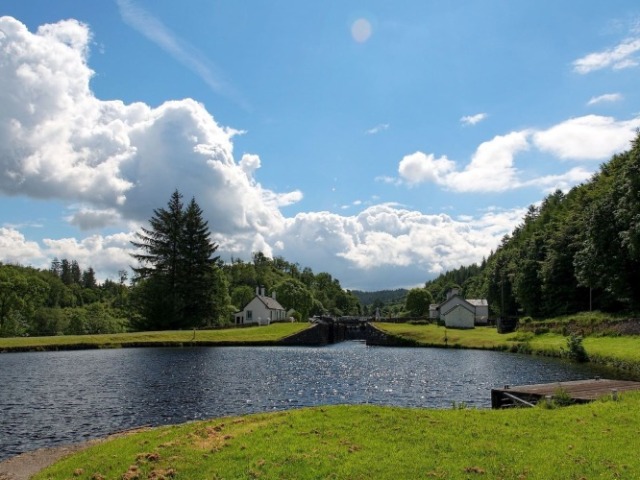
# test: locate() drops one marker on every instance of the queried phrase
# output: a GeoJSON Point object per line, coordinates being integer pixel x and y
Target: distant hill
{"type": "Point", "coordinates": [384, 296]}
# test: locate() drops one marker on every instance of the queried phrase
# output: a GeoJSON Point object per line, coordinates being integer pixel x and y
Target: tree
{"type": "Point", "coordinates": [294, 294]}
{"type": "Point", "coordinates": [418, 301]}
{"type": "Point", "coordinates": [196, 284]}
{"type": "Point", "coordinates": [177, 285]}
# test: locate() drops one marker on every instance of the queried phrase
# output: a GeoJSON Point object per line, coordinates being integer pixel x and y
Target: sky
{"type": "Point", "coordinates": [381, 142]}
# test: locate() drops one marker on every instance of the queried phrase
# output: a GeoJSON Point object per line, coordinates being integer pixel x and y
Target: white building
{"type": "Point", "coordinates": [457, 312]}
{"type": "Point", "coordinates": [261, 310]}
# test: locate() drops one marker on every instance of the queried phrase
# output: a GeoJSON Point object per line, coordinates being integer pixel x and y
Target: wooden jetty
{"type": "Point", "coordinates": [580, 391]}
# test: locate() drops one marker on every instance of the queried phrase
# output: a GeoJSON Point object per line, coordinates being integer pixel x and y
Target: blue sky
{"type": "Point", "coordinates": [381, 142]}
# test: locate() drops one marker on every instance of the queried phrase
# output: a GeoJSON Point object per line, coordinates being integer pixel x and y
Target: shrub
{"type": "Point", "coordinates": [575, 349]}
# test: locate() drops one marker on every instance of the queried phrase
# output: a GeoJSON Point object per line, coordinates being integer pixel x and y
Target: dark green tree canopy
{"type": "Point", "coordinates": [178, 287]}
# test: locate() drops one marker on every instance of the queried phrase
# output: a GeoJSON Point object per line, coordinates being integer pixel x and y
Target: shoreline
{"type": "Point", "coordinates": [24, 465]}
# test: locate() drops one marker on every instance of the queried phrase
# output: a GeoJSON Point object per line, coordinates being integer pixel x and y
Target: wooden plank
{"type": "Point", "coordinates": [578, 390]}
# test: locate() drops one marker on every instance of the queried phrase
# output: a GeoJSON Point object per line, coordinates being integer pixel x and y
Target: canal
{"type": "Point", "coordinates": [53, 398]}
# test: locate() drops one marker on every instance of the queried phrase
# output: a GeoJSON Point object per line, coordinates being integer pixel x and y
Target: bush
{"type": "Point", "coordinates": [575, 349]}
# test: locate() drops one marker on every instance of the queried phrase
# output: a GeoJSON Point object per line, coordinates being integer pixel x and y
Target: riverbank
{"type": "Point", "coordinates": [372, 442]}
{"type": "Point", "coordinates": [621, 352]}
{"type": "Point", "coordinates": [250, 336]}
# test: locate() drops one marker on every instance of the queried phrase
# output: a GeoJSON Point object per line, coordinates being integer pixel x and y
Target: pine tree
{"type": "Point", "coordinates": [176, 285]}
{"type": "Point", "coordinates": [196, 281]}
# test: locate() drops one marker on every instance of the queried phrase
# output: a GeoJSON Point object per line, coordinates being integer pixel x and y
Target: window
{"type": "Point", "coordinates": [249, 315]}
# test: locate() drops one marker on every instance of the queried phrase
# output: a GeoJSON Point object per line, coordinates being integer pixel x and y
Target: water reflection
{"type": "Point", "coordinates": [62, 397]}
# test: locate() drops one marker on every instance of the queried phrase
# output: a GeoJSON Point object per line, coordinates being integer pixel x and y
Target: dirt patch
{"type": "Point", "coordinates": [23, 466]}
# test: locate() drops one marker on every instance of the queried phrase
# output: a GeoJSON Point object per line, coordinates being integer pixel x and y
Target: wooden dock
{"type": "Point", "coordinates": [580, 391]}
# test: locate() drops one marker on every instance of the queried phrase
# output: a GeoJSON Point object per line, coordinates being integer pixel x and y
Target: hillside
{"type": "Point", "coordinates": [576, 251]}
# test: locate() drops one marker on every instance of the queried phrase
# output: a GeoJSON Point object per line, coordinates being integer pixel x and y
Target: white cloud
{"type": "Point", "coordinates": [492, 165]}
{"type": "Point", "coordinates": [606, 98]}
{"type": "Point", "coordinates": [591, 137]}
{"type": "Point", "coordinates": [15, 248]}
{"type": "Point", "coordinates": [377, 129]}
{"type": "Point", "coordinates": [618, 57]}
{"type": "Point", "coordinates": [564, 182]}
{"type": "Point", "coordinates": [420, 167]}
{"type": "Point", "coordinates": [118, 161]}
{"type": "Point", "coordinates": [473, 119]}
{"type": "Point", "coordinates": [388, 245]}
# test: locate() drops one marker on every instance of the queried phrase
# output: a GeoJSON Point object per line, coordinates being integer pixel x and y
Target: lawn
{"type": "Point", "coordinates": [231, 336]}
{"type": "Point", "coordinates": [622, 352]}
{"type": "Point", "coordinates": [598, 440]}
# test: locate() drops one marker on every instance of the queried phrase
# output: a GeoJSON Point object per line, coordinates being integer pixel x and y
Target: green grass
{"type": "Point", "coordinates": [621, 352]}
{"type": "Point", "coordinates": [598, 440]}
{"type": "Point", "coordinates": [250, 335]}
{"type": "Point", "coordinates": [433, 335]}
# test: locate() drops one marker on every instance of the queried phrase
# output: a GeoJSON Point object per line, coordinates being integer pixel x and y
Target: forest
{"type": "Point", "coordinates": [55, 301]}
{"type": "Point", "coordinates": [179, 283]}
{"type": "Point", "coordinates": [575, 251]}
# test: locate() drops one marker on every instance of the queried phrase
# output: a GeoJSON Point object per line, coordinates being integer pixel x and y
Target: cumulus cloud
{"type": "Point", "coordinates": [394, 242]}
{"type": "Point", "coordinates": [118, 161]}
{"type": "Point", "coordinates": [619, 57]}
{"type": "Point", "coordinates": [491, 167]}
{"type": "Point", "coordinates": [606, 98]}
{"type": "Point", "coordinates": [473, 119]}
{"type": "Point", "coordinates": [420, 167]}
{"type": "Point", "coordinates": [16, 248]}
{"type": "Point", "coordinates": [591, 137]}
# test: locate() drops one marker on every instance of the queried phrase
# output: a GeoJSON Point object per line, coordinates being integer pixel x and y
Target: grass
{"type": "Point", "coordinates": [598, 440]}
{"type": "Point", "coordinates": [231, 336]}
{"type": "Point", "coordinates": [621, 352]}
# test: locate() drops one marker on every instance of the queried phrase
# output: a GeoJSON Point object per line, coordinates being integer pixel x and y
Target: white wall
{"type": "Point", "coordinates": [459, 317]}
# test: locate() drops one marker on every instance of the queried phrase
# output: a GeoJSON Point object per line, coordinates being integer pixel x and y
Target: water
{"type": "Point", "coordinates": [55, 398]}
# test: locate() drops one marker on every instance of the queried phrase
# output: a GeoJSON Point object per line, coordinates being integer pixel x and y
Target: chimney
{"type": "Point", "coordinates": [257, 291]}
{"type": "Point", "coordinates": [263, 292]}
{"type": "Point", "coordinates": [273, 294]}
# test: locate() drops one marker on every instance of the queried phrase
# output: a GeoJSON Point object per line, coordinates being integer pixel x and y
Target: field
{"type": "Point", "coordinates": [622, 351]}
{"type": "Point", "coordinates": [231, 336]}
{"type": "Point", "coordinates": [597, 440]}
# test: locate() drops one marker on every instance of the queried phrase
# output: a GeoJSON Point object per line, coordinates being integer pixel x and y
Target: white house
{"type": "Point", "coordinates": [457, 312]}
{"type": "Point", "coordinates": [261, 310]}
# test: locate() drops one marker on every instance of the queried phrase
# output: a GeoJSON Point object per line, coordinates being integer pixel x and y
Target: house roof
{"type": "Point", "coordinates": [270, 303]}
{"type": "Point", "coordinates": [459, 305]}
{"type": "Point", "coordinates": [478, 302]}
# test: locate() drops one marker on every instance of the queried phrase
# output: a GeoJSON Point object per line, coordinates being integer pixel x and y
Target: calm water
{"type": "Point", "coordinates": [63, 397]}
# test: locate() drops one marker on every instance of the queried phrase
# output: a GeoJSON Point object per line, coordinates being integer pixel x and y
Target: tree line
{"type": "Point", "coordinates": [576, 251]}
{"type": "Point", "coordinates": [178, 283]}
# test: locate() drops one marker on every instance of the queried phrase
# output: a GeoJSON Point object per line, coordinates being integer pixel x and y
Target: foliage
{"type": "Point", "coordinates": [38, 302]}
{"type": "Point", "coordinates": [576, 350]}
{"type": "Point", "coordinates": [418, 301]}
{"type": "Point", "coordinates": [576, 251]}
{"type": "Point", "coordinates": [347, 442]}
{"type": "Point", "coordinates": [178, 284]}
{"type": "Point", "coordinates": [327, 295]}
{"type": "Point", "coordinates": [380, 297]}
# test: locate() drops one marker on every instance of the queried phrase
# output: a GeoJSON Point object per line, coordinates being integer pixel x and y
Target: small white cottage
{"type": "Point", "coordinates": [261, 310]}
{"type": "Point", "coordinates": [457, 312]}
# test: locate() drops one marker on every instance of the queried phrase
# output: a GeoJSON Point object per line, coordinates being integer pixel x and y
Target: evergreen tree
{"type": "Point", "coordinates": [196, 283]}
{"type": "Point", "coordinates": [176, 281]}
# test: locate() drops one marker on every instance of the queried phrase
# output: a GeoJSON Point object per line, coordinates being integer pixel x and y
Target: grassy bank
{"type": "Point", "coordinates": [621, 351]}
{"type": "Point", "coordinates": [368, 442]}
{"type": "Point", "coordinates": [231, 336]}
